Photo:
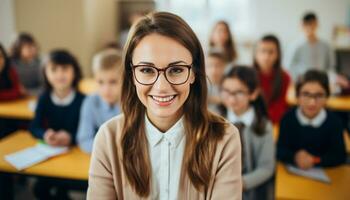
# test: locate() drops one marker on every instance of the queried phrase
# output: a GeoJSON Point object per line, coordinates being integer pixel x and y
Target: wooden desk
{"type": "Point", "coordinates": [289, 186]}
{"type": "Point", "coordinates": [17, 109]}
{"type": "Point", "coordinates": [20, 109]}
{"type": "Point", "coordinates": [72, 165]}
{"type": "Point", "coordinates": [341, 103]}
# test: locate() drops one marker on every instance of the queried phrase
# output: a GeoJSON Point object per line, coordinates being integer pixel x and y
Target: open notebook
{"type": "Point", "coordinates": [30, 156]}
{"type": "Point", "coordinates": [313, 173]}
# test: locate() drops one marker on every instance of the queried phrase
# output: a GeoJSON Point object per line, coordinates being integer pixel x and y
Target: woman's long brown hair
{"type": "Point", "coordinates": [202, 129]}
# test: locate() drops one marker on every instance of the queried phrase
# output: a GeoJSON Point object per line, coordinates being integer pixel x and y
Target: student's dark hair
{"type": "Point", "coordinates": [230, 49]}
{"type": "Point", "coordinates": [63, 58]}
{"type": "Point", "coordinates": [22, 39]}
{"type": "Point", "coordinates": [5, 71]}
{"type": "Point", "coordinates": [309, 17]}
{"type": "Point", "coordinates": [202, 129]}
{"type": "Point", "coordinates": [313, 76]}
{"type": "Point", "coordinates": [249, 77]}
{"type": "Point", "coordinates": [278, 73]}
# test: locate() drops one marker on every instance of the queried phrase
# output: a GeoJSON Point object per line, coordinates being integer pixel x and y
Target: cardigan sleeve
{"type": "Point", "coordinates": [100, 174]}
{"type": "Point", "coordinates": [265, 161]}
{"type": "Point", "coordinates": [285, 151]}
{"type": "Point", "coordinates": [37, 125]}
{"type": "Point", "coordinates": [336, 153]}
{"type": "Point", "coordinates": [228, 179]}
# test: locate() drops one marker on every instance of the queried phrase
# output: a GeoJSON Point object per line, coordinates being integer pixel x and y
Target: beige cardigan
{"type": "Point", "coordinates": [107, 178]}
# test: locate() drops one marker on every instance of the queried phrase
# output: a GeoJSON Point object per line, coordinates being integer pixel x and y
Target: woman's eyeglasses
{"type": "Point", "coordinates": [175, 74]}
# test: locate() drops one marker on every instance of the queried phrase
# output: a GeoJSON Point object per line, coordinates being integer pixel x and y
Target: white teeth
{"type": "Point", "coordinates": [163, 99]}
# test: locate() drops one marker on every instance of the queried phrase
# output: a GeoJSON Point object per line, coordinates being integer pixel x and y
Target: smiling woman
{"type": "Point", "coordinates": [166, 145]}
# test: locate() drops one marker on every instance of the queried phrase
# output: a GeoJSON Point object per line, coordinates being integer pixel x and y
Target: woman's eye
{"type": "Point", "coordinates": [176, 70]}
{"type": "Point", "coordinates": [147, 70]}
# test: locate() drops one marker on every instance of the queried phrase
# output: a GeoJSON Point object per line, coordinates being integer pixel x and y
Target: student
{"type": "Point", "coordinates": [221, 39]}
{"type": "Point", "coordinates": [309, 134]}
{"type": "Point", "coordinates": [214, 69]}
{"type": "Point", "coordinates": [274, 81]}
{"type": "Point", "coordinates": [314, 53]}
{"type": "Point", "coordinates": [26, 61]}
{"type": "Point", "coordinates": [57, 113]}
{"type": "Point", "coordinates": [104, 105]}
{"type": "Point", "coordinates": [166, 145]}
{"type": "Point", "coordinates": [244, 107]}
{"type": "Point", "coordinates": [10, 87]}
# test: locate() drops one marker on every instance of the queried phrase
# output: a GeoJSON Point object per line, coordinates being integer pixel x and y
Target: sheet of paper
{"type": "Point", "coordinates": [313, 173]}
{"type": "Point", "coordinates": [30, 156]}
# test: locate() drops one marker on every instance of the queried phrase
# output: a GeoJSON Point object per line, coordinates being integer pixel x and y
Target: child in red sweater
{"type": "Point", "coordinates": [274, 81]}
{"type": "Point", "coordinates": [10, 88]}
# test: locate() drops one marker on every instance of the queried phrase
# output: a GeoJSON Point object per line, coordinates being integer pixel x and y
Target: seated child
{"type": "Point", "coordinates": [100, 107]}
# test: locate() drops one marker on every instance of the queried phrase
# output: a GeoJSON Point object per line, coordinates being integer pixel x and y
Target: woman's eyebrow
{"type": "Point", "coordinates": [172, 63]}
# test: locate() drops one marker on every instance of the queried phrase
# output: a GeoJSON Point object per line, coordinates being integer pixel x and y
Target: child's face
{"type": "Point", "coordinates": [162, 100]}
{"type": "Point", "coordinates": [310, 28]}
{"type": "Point", "coordinates": [236, 96]}
{"type": "Point", "coordinates": [108, 85]}
{"type": "Point", "coordinates": [220, 35]}
{"type": "Point", "coordinates": [60, 77]}
{"type": "Point", "coordinates": [311, 99]}
{"type": "Point", "coordinates": [215, 69]}
{"type": "Point", "coordinates": [28, 52]}
{"type": "Point", "coordinates": [266, 55]}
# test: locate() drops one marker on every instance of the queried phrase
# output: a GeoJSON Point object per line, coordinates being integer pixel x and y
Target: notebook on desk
{"type": "Point", "coordinates": [33, 155]}
{"type": "Point", "coordinates": [313, 173]}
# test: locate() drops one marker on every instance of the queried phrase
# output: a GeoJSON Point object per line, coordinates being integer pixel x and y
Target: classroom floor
{"type": "Point", "coordinates": [24, 192]}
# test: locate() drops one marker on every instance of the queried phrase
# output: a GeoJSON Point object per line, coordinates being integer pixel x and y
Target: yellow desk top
{"type": "Point", "coordinates": [20, 108]}
{"type": "Point", "coordinates": [17, 109]}
{"type": "Point", "coordinates": [289, 186]}
{"type": "Point", "coordinates": [72, 165]}
{"type": "Point", "coordinates": [341, 103]}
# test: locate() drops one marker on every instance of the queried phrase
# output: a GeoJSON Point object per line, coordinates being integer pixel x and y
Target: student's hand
{"type": "Point", "coordinates": [49, 137]}
{"type": "Point", "coordinates": [304, 160]}
{"type": "Point", "coordinates": [63, 138]}
{"type": "Point", "coordinates": [342, 81]}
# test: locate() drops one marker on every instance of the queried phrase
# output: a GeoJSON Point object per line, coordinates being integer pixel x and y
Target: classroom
{"type": "Point", "coordinates": [174, 99]}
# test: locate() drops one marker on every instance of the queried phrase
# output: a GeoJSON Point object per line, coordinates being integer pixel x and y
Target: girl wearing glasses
{"type": "Point", "coordinates": [244, 106]}
{"type": "Point", "coordinates": [166, 145]}
{"type": "Point", "coordinates": [309, 134]}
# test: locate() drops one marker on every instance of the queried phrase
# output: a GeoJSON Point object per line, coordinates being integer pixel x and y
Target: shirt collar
{"type": "Point", "coordinates": [246, 118]}
{"type": "Point", "coordinates": [316, 122]}
{"type": "Point", "coordinates": [174, 135]}
{"type": "Point", "coordinates": [106, 106]}
{"type": "Point", "coordinates": [65, 101]}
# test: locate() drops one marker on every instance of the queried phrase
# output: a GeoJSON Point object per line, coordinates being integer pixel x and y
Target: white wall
{"type": "Point", "coordinates": [7, 22]}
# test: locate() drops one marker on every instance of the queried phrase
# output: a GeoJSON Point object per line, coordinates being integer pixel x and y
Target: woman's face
{"type": "Point", "coordinates": [266, 55]}
{"type": "Point", "coordinates": [312, 99]}
{"type": "Point", "coordinates": [220, 35]}
{"type": "Point", "coordinates": [236, 96]}
{"type": "Point", "coordinates": [162, 100]}
{"type": "Point", "coordinates": [60, 77]}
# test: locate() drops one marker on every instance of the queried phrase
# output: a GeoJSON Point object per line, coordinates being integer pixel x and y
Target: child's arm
{"type": "Point", "coordinates": [265, 161]}
{"type": "Point", "coordinates": [285, 152]}
{"type": "Point", "coordinates": [86, 129]}
{"type": "Point", "coordinates": [37, 125]}
{"type": "Point", "coordinates": [13, 92]}
{"type": "Point", "coordinates": [336, 153]}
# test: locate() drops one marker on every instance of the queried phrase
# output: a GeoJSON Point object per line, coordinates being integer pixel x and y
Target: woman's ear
{"type": "Point", "coordinates": [192, 77]}
{"type": "Point", "coordinates": [254, 95]}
